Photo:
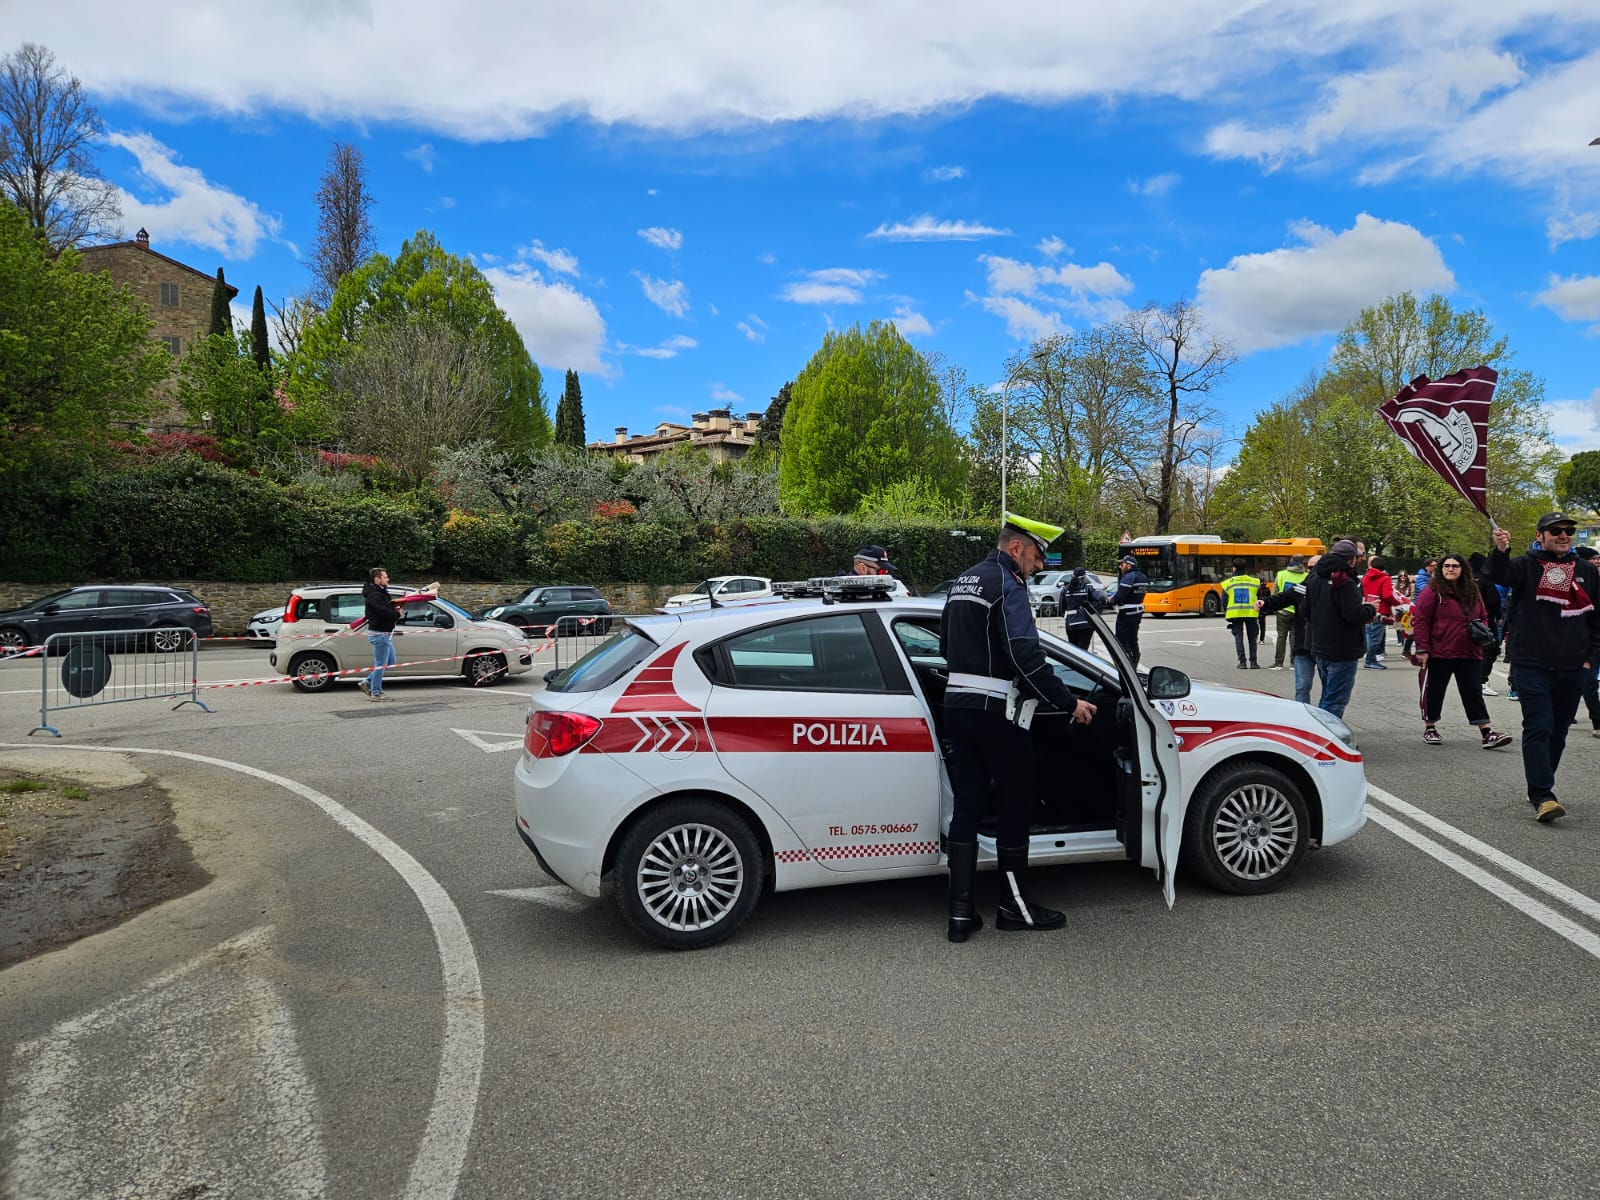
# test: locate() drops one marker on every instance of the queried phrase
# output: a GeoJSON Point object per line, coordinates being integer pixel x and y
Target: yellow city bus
{"type": "Point", "coordinates": [1185, 570]}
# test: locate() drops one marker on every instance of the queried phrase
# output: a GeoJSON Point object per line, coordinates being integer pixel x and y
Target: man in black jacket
{"type": "Point", "coordinates": [1335, 620]}
{"type": "Point", "coordinates": [1553, 594]}
{"type": "Point", "coordinates": [991, 646]}
{"type": "Point", "coordinates": [382, 616]}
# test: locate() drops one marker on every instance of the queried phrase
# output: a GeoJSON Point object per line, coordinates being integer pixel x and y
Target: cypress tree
{"type": "Point", "coordinates": [259, 348]}
{"type": "Point", "coordinates": [221, 318]}
{"type": "Point", "coordinates": [570, 425]}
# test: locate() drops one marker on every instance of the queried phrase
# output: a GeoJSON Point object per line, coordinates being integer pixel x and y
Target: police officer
{"type": "Point", "coordinates": [1242, 590]}
{"type": "Point", "coordinates": [1128, 600]}
{"type": "Point", "coordinates": [991, 646]}
{"type": "Point", "coordinates": [1078, 598]}
{"type": "Point", "coordinates": [872, 560]}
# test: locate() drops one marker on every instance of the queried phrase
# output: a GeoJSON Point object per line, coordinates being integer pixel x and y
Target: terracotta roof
{"type": "Point", "coordinates": [86, 251]}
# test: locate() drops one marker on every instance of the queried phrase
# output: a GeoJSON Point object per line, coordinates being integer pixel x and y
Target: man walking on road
{"type": "Point", "coordinates": [1556, 647]}
{"type": "Point", "coordinates": [382, 616]}
{"type": "Point", "coordinates": [1335, 620]}
{"type": "Point", "coordinates": [1242, 592]}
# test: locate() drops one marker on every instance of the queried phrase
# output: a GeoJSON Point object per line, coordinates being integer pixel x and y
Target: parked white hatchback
{"type": "Point", "coordinates": [727, 589]}
{"type": "Point", "coordinates": [692, 764]}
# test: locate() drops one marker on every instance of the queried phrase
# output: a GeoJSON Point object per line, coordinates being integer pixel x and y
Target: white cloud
{"type": "Point", "coordinates": [1092, 292]}
{"type": "Point", "coordinates": [831, 285]}
{"type": "Point", "coordinates": [1156, 185]}
{"type": "Point", "coordinates": [943, 174]}
{"type": "Point", "coordinates": [194, 211]}
{"type": "Point", "coordinates": [665, 239]}
{"type": "Point", "coordinates": [562, 262]}
{"type": "Point", "coordinates": [560, 326]}
{"type": "Point", "coordinates": [1575, 299]}
{"type": "Point", "coordinates": [725, 395]}
{"type": "Point", "coordinates": [1024, 321]}
{"type": "Point", "coordinates": [911, 323]}
{"type": "Point", "coordinates": [926, 229]}
{"type": "Point", "coordinates": [670, 296]}
{"type": "Point", "coordinates": [1284, 296]}
{"type": "Point", "coordinates": [753, 328]}
{"type": "Point", "coordinates": [422, 155]}
{"type": "Point", "coordinates": [668, 348]}
{"type": "Point", "coordinates": [766, 258]}
{"type": "Point", "coordinates": [1053, 247]}
{"type": "Point", "coordinates": [1575, 424]}
{"type": "Point", "coordinates": [1573, 227]}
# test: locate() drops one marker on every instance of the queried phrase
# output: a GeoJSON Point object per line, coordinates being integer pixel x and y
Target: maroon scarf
{"type": "Point", "coordinates": [1558, 584]}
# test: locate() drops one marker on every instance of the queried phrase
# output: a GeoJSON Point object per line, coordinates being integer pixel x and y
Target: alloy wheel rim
{"type": "Point", "coordinates": [690, 877]}
{"type": "Point", "coordinates": [1255, 832]}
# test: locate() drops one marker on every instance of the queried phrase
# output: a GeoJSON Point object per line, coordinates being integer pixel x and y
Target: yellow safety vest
{"type": "Point", "coordinates": [1240, 593]}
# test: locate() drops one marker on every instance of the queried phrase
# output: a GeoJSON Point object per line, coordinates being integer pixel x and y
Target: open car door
{"type": "Point", "coordinates": [1159, 797]}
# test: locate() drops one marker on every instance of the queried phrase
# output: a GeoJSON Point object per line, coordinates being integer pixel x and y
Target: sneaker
{"type": "Point", "coordinates": [1244, 666]}
{"type": "Point", "coordinates": [1374, 667]}
{"type": "Point", "coordinates": [379, 698]}
{"type": "Point", "coordinates": [1512, 694]}
{"type": "Point", "coordinates": [1493, 740]}
{"type": "Point", "coordinates": [1548, 811]}
{"type": "Point", "coordinates": [365, 686]}
{"type": "Point", "coordinates": [1597, 733]}
{"type": "Point", "coordinates": [1255, 666]}
{"type": "Point", "coordinates": [1279, 667]}
{"type": "Point", "coordinates": [1431, 736]}
{"type": "Point", "coordinates": [1489, 691]}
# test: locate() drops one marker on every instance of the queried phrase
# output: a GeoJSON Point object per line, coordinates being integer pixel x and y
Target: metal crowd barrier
{"type": "Point", "coordinates": [573, 637]}
{"type": "Point", "coordinates": [116, 666]}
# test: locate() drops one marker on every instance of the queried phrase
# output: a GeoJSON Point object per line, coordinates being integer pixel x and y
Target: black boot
{"type": "Point", "coordinates": [1016, 911]}
{"type": "Point", "coordinates": [964, 918]}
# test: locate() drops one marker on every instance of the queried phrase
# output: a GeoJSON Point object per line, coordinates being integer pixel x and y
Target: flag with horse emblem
{"type": "Point", "coordinates": [1445, 423]}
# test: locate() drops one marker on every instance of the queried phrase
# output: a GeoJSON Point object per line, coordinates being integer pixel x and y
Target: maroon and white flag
{"type": "Point", "coordinates": [1445, 422]}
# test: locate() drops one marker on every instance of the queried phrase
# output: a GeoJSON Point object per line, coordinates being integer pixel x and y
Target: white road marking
{"type": "Point", "coordinates": [104, 1104]}
{"type": "Point", "coordinates": [1529, 875]}
{"type": "Point", "coordinates": [436, 1171]}
{"type": "Point", "coordinates": [478, 737]}
{"type": "Point", "coordinates": [1495, 886]}
{"type": "Point", "coordinates": [558, 896]}
{"type": "Point", "coordinates": [1183, 642]}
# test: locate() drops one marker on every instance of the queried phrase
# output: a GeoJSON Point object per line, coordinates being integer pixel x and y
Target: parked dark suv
{"type": "Point", "coordinates": [97, 607]}
{"type": "Point", "coordinates": [544, 605]}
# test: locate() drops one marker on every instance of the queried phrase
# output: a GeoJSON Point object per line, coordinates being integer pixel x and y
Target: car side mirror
{"type": "Point", "coordinates": [51, 608]}
{"type": "Point", "coordinates": [444, 621]}
{"type": "Point", "coordinates": [1166, 683]}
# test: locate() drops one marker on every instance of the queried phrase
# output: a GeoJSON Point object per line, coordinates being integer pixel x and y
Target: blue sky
{"type": "Point", "coordinates": [678, 201]}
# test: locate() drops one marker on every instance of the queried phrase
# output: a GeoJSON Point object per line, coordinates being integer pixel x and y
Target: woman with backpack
{"type": "Point", "coordinates": [1442, 622]}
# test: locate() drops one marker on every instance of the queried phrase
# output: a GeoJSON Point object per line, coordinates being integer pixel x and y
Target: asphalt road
{"type": "Point", "coordinates": [381, 994]}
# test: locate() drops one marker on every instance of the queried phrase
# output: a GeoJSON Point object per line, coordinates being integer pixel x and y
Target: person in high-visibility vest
{"type": "Point", "coordinates": [1241, 590]}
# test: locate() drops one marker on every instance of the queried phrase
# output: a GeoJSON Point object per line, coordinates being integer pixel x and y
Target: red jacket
{"type": "Point", "coordinates": [1377, 589]}
{"type": "Point", "coordinates": [1440, 626]}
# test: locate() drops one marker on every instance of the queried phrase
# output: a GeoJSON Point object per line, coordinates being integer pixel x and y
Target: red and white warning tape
{"type": "Point", "coordinates": [416, 662]}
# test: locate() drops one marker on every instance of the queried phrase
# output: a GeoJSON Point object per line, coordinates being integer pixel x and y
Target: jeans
{"type": "Point", "coordinates": [1375, 640]}
{"type": "Point", "coordinates": [1338, 681]}
{"type": "Point", "coordinates": [382, 656]}
{"type": "Point", "coordinates": [1304, 668]}
{"type": "Point", "coordinates": [1549, 703]}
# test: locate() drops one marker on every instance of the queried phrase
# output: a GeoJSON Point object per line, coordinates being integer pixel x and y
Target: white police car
{"type": "Point", "coordinates": [693, 763]}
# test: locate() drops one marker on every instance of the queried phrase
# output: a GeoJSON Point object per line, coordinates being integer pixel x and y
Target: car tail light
{"type": "Point", "coordinates": [291, 610]}
{"type": "Point", "coordinates": [553, 734]}
{"type": "Point", "coordinates": [200, 610]}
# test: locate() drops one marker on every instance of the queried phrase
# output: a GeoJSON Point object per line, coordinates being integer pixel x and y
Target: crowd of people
{"type": "Point", "coordinates": [1453, 620]}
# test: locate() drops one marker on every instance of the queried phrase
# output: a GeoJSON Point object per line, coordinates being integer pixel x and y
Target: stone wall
{"type": "Point", "coordinates": [233, 604]}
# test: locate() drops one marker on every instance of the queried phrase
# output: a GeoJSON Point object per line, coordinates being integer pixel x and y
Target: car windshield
{"type": "Point", "coordinates": [453, 609]}
{"type": "Point", "coordinates": [603, 665]}
{"type": "Point", "coordinates": [701, 590]}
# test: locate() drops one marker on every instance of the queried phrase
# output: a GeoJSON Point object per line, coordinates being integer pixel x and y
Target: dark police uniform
{"type": "Point", "coordinates": [1128, 600]}
{"type": "Point", "coordinates": [991, 645]}
{"type": "Point", "coordinates": [1078, 598]}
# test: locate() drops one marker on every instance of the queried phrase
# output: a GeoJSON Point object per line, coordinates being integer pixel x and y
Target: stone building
{"type": "Point", "coordinates": [716, 432]}
{"type": "Point", "coordinates": [177, 295]}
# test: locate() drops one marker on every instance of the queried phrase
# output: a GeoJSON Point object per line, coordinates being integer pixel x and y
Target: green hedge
{"type": "Point", "coordinates": [182, 517]}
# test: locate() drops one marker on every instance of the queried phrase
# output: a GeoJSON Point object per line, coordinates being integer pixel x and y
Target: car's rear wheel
{"type": "Point", "coordinates": [485, 670]}
{"type": "Point", "coordinates": [12, 638]}
{"type": "Point", "coordinates": [313, 672]}
{"type": "Point", "coordinates": [1247, 829]}
{"type": "Point", "coordinates": [688, 874]}
{"type": "Point", "coordinates": [1212, 605]}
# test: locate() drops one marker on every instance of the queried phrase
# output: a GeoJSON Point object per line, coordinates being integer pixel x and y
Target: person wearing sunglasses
{"type": "Point", "coordinates": [1557, 645]}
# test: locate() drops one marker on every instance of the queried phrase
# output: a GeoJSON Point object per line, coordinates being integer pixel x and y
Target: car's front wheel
{"type": "Point", "coordinates": [485, 670]}
{"type": "Point", "coordinates": [313, 672]}
{"type": "Point", "coordinates": [169, 641]}
{"type": "Point", "coordinates": [1247, 829]}
{"type": "Point", "coordinates": [12, 638]}
{"type": "Point", "coordinates": [688, 874]}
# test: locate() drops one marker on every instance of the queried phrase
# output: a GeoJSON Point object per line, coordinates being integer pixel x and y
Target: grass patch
{"type": "Point", "coordinates": [76, 793]}
{"type": "Point", "coordinates": [15, 786]}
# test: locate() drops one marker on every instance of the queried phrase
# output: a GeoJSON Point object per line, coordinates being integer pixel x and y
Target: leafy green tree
{"type": "Point", "coordinates": [683, 484]}
{"type": "Point", "coordinates": [863, 415]}
{"type": "Point", "coordinates": [569, 415]}
{"type": "Point", "coordinates": [219, 386]}
{"type": "Point", "coordinates": [1265, 494]}
{"type": "Point", "coordinates": [76, 355]}
{"type": "Point", "coordinates": [424, 281]}
{"type": "Point", "coordinates": [1580, 480]}
{"type": "Point", "coordinates": [768, 444]}
{"type": "Point", "coordinates": [221, 315]}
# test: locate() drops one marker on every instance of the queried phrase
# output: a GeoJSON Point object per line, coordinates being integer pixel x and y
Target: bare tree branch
{"type": "Point", "coordinates": [344, 222]}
